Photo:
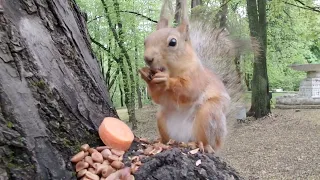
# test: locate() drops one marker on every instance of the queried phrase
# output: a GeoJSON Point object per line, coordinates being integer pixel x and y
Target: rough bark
{"type": "Point", "coordinates": [260, 104]}
{"type": "Point", "coordinates": [52, 95]}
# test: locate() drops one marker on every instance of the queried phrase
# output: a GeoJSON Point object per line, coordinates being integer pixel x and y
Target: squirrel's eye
{"type": "Point", "coordinates": [173, 42]}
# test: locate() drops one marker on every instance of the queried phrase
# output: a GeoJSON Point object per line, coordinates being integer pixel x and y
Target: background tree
{"type": "Point", "coordinates": [292, 38]}
{"type": "Point", "coordinates": [260, 101]}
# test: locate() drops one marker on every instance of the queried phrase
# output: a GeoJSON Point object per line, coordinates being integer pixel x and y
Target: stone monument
{"type": "Point", "coordinates": [309, 90]}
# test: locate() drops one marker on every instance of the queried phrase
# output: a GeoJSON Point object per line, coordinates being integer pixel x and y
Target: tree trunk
{"type": "Point", "coordinates": [121, 96]}
{"type": "Point", "coordinates": [52, 95]}
{"type": "Point", "coordinates": [260, 104]}
{"type": "Point", "coordinates": [247, 81]}
{"type": "Point", "coordinates": [137, 74]}
{"type": "Point", "coordinates": [195, 3]}
{"type": "Point", "coordinates": [223, 14]}
{"type": "Point", "coordinates": [128, 76]}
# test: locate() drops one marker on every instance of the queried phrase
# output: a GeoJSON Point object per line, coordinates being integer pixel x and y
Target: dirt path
{"type": "Point", "coordinates": [283, 146]}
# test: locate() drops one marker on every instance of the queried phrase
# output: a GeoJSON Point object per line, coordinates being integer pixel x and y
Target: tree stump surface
{"type": "Point", "coordinates": [177, 163]}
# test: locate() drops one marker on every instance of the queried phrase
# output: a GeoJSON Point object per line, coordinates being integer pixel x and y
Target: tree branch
{"type": "Point", "coordinates": [104, 48]}
{"type": "Point", "coordinates": [225, 3]}
{"type": "Point", "coordinates": [314, 9]}
{"type": "Point", "coordinates": [130, 12]}
{"type": "Point", "coordinates": [302, 3]}
{"type": "Point", "coordinates": [115, 76]}
{"type": "Point", "coordinates": [97, 17]}
{"type": "Point", "coordinates": [141, 15]}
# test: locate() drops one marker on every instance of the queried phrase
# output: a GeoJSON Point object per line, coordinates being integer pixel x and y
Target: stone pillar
{"type": "Point", "coordinates": [309, 90]}
{"type": "Point", "coordinates": [310, 86]}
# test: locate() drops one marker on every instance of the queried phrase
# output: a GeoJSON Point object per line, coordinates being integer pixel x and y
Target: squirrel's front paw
{"type": "Point", "coordinates": [160, 78]}
{"type": "Point", "coordinates": [145, 74]}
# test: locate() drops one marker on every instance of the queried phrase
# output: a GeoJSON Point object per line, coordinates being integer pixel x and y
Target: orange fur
{"type": "Point", "coordinates": [162, 127]}
{"type": "Point", "coordinates": [193, 100]}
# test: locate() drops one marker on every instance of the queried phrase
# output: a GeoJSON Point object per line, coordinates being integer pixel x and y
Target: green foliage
{"type": "Point", "coordinates": [134, 27]}
{"type": "Point", "coordinates": [293, 37]}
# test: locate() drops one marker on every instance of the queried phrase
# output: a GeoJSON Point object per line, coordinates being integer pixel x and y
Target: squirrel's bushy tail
{"type": "Point", "coordinates": [219, 52]}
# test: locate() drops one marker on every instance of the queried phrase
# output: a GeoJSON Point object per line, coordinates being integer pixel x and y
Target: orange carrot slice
{"type": "Point", "coordinates": [115, 133]}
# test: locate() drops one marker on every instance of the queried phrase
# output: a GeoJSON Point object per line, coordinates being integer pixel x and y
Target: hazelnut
{"type": "Point", "coordinates": [107, 171]}
{"type": "Point", "coordinates": [95, 165]}
{"type": "Point", "coordinates": [101, 148]}
{"type": "Point", "coordinates": [92, 176]}
{"type": "Point", "coordinates": [97, 157]}
{"type": "Point", "coordinates": [117, 152]}
{"type": "Point", "coordinates": [85, 147]}
{"type": "Point", "coordinates": [105, 153]}
{"type": "Point", "coordinates": [81, 173]}
{"type": "Point", "coordinates": [100, 167]}
{"type": "Point", "coordinates": [117, 164]}
{"type": "Point", "coordinates": [89, 160]}
{"type": "Point", "coordinates": [92, 170]}
{"type": "Point", "coordinates": [113, 158]}
{"type": "Point", "coordinates": [78, 157]}
{"type": "Point", "coordinates": [105, 162]}
{"type": "Point", "coordinates": [92, 150]}
{"type": "Point", "coordinates": [81, 165]}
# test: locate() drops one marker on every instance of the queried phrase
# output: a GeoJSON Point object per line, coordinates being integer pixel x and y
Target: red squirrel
{"type": "Point", "coordinates": [193, 99]}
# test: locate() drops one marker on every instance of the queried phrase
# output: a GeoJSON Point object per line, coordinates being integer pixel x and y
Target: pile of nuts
{"type": "Point", "coordinates": [157, 147]}
{"type": "Point", "coordinates": [102, 162]}
{"type": "Point", "coordinates": [98, 163]}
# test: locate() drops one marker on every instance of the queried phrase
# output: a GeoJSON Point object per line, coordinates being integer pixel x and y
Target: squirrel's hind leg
{"type": "Point", "coordinates": [162, 128]}
{"type": "Point", "coordinates": [209, 125]}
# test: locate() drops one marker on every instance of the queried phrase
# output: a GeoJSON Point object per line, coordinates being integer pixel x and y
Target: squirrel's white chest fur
{"type": "Point", "coordinates": [180, 124]}
{"type": "Point", "coordinates": [180, 121]}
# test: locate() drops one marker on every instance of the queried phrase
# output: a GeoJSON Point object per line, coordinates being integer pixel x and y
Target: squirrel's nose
{"type": "Point", "coordinates": [148, 60]}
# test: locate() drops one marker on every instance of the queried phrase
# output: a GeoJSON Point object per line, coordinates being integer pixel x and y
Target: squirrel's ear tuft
{"type": "Point", "coordinates": [162, 23]}
{"type": "Point", "coordinates": [183, 28]}
{"type": "Point", "coordinates": [165, 15]}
